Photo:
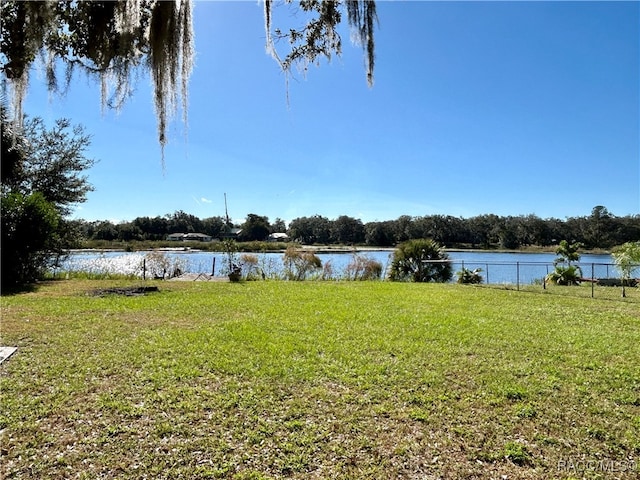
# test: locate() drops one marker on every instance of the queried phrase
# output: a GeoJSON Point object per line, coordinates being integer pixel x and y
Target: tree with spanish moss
{"type": "Point", "coordinates": [112, 41]}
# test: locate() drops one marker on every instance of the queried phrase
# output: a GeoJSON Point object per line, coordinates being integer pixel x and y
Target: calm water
{"type": "Point", "coordinates": [524, 268]}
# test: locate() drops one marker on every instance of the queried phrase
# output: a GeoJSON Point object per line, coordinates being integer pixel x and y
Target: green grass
{"type": "Point", "coordinates": [318, 380]}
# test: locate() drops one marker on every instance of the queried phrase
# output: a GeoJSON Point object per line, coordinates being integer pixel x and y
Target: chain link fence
{"type": "Point", "coordinates": [597, 280]}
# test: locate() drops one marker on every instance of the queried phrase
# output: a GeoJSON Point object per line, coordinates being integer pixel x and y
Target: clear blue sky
{"type": "Point", "coordinates": [508, 108]}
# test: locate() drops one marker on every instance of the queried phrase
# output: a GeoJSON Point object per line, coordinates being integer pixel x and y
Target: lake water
{"type": "Point", "coordinates": [497, 267]}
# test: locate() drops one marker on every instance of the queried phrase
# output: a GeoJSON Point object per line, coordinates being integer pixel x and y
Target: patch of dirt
{"type": "Point", "coordinates": [127, 291]}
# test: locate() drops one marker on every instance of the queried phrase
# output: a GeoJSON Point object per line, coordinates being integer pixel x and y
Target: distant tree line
{"type": "Point", "coordinates": [600, 229]}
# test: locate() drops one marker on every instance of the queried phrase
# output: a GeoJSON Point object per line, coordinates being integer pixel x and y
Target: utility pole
{"type": "Point", "coordinates": [226, 212]}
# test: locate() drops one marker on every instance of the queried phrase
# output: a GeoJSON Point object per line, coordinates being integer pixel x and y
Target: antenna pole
{"type": "Point", "coordinates": [226, 212]}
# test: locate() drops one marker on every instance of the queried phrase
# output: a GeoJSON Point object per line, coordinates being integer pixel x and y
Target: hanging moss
{"type": "Point", "coordinates": [109, 40]}
{"type": "Point", "coordinates": [170, 60]}
{"type": "Point", "coordinates": [319, 37]}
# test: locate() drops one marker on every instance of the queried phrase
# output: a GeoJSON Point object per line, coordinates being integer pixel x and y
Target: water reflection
{"type": "Point", "coordinates": [497, 267]}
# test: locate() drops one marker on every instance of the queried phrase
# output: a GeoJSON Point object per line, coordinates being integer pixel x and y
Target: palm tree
{"type": "Point", "coordinates": [422, 260]}
{"type": "Point", "coordinates": [565, 273]}
{"type": "Point", "coordinates": [627, 259]}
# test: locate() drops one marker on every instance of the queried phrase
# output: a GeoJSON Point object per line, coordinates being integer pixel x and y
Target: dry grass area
{"type": "Point", "coordinates": [340, 380]}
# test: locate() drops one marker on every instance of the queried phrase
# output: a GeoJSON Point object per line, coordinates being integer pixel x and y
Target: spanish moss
{"type": "Point", "coordinates": [319, 37]}
{"type": "Point", "coordinates": [114, 41]}
{"type": "Point", "coordinates": [362, 16]}
{"type": "Point", "coordinates": [108, 40]}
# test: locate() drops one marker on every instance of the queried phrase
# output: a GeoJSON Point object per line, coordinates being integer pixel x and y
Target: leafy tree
{"type": "Point", "coordinates": [113, 40]}
{"type": "Point", "coordinates": [600, 227]}
{"type": "Point", "coordinates": [182, 222]}
{"type": "Point", "coordinates": [441, 228]}
{"type": "Point", "coordinates": [41, 183]}
{"type": "Point", "coordinates": [484, 229]}
{"type": "Point", "coordinates": [255, 227]}
{"type": "Point", "coordinates": [488, 230]}
{"type": "Point", "coordinates": [151, 228]}
{"type": "Point", "coordinates": [404, 228]}
{"type": "Point", "coordinates": [420, 260]}
{"type": "Point", "coordinates": [628, 229]}
{"type": "Point", "coordinates": [627, 259]}
{"type": "Point", "coordinates": [101, 230]}
{"type": "Point", "coordinates": [380, 234]}
{"type": "Point", "coordinates": [214, 226]}
{"type": "Point", "coordinates": [55, 162]}
{"type": "Point", "coordinates": [279, 226]}
{"type": "Point", "coordinates": [347, 230]}
{"type": "Point", "coordinates": [537, 231]}
{"type": "Point", "coordinates": [29, 237]}
{"type": "Point", "coordinates": [310, 230]}
{"type": "Point", "coordinates": [128, 231]}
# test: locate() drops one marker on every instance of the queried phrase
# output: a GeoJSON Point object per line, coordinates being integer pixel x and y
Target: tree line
{"type": "Point", "coordinates": [599, 230]}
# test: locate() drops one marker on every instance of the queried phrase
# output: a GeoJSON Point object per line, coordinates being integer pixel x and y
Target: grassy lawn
{"type": "Point", "coordinates": [318, 380]}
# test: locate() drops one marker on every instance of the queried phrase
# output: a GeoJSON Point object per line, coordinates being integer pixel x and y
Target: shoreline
{"type": "Point", "coordinates": [330, 249]}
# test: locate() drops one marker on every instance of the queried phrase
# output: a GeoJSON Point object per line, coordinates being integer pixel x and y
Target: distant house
{"type": "Point", "coordinates": [197, 237]}
{"type": "Point", "coordinates": [189, 237]}
{"type": "Point", "coordinates": [278, 237]}
{"type": "Point", "coordinates": [175, 237]}
{"type": "Point", "coordinates": [231, 233]}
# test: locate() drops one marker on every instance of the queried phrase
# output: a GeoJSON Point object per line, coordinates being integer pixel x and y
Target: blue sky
{"type": "Point", "coordinates": [508, 108]}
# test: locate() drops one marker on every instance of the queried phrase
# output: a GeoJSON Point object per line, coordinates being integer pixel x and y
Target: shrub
{"type": "Point", "coordinates": [362, 267]}
{"type": "Point", "coordinates": [627, 258]}
{"type": "Point", "coordinates": [469, 276]}
{"type": "Point", "coordinates": [29, 238]}
{"type": "Point", "coordinates": [249, 265]}
{"type": "Point", "coordinates": [421, 260]}
{"type": "Point", "coordinates": [327, 270]}
{"type": "Point", "coordinates": [159, 265]}
{"type": "Point", "coordinates": [299, 264]}
{"type": "Point", "coordinates": [569, 275]}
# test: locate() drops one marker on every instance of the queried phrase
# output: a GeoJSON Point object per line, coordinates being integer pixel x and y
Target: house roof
{"type": "Point", "coordinates": [199, 235]}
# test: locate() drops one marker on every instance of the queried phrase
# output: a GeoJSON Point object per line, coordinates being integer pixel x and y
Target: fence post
{"type": "Point", "coordinates": [144, 269]}
{"type": "Point", "coordinates": [544, 279]}
{"type": "Point", "coordinates": [487, 265]}
{"type": "Point", "coordinates": [518, 276]}
{"type": "Point", "coordinates": [593, 279]}
{"type": "Point", "coordinates": [213, 267]}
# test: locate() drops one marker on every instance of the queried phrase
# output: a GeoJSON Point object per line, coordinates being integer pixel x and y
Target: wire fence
{"type": "Point", "coordinates": [596, 280]}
